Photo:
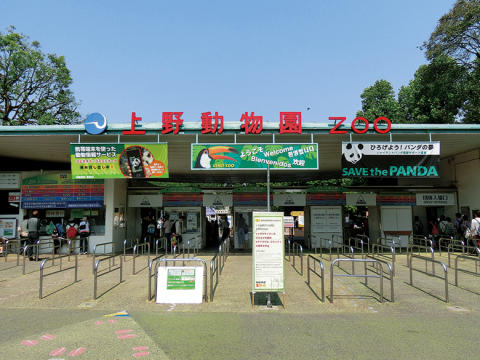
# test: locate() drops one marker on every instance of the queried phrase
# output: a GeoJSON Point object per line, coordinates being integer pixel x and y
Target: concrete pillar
{"type": "Point", "coordinates": [115, 192]}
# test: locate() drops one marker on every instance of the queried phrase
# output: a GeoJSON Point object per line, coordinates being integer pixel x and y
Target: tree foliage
{"type": "Point", "coordinates": [437, 93]}
{"type": "Point", "coordinates": [34, 87]}
{"type": "Point", "coordinates": [379, 100]}
{"type": "Point", "coordinates": [457, 34]}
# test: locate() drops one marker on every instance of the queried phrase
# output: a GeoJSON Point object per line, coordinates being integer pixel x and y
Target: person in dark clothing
{"type": "Point", "coordinates": [33, 225]}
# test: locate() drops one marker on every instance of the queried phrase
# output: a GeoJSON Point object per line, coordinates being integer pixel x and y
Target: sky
{"type": "Point", "coordinates": [228, 56]}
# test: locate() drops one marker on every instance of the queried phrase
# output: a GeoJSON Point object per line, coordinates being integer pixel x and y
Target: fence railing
{"type": "Point", "coordinates": [111, 268]}
{"type": "Point", "coordinates": [314, 271]}
{"type": "Point", "coordinates": [152, 266]}
{"type": "Point", "coordinates": [42, 266]}
{"type": "Point", "coordinates": [384, 251]}
{"type": "Point", "coordinates": [347, 251]}
{"type": "Point", "coordinates": [466, 257]}
{"type": "Point", "coordinates": [455, 247]}
{"type": "Point", "coordinates": [145, 249]}
{"type": "Point", "coordinates": [413, 256]}
{"type": "Point", "coordinates": [102, 245]}
{"type": "Point", "coordinates": [420, 249]}
{"type": "Point", "coordinates": [297, 251]}
{"type": "Point", "coordinates": [365, 276]}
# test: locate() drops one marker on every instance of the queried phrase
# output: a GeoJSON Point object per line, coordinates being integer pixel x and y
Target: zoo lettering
{"type": "Point", "coordinates": [362, 119]}
{"type": "Point", "coordinates": [392, 171]}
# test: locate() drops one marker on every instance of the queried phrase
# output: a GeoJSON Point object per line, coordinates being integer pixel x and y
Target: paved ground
{"type": "Point", "coordinates": [123, 324]}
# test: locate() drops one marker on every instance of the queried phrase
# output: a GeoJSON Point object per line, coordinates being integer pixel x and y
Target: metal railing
{"type": "Point", "coordinates": [157, 242]}
{"type": "Point", "coordinates": [42, 266]}
{"type": "Point", "coordinates": [444, 240]}
{"type": "Point", "coordinates": [167, 260]}
{"type": "Point", "coordinates": [96, 275]}
{"type": "Point", "coordinates": [8, 244]}
{"type": "Point", "coordinates": [185, 249]}
{"type": "Point", "coordinates": [127, 247]}
{"type": "Point", "coordinates": [419, 250]}
{"type": "Point", "coordinates": [358, 244]}
{"type": "Point", "coordinates": [136, 253]}
{"type": "Point", "coordinates": [152, 274]}
{"type": "Point", "coordinates": [412, 256]}
{"type": "Point", "coordinates": [314, 270]}
{"type": "Point", "coordinates": [466, 257]}
{"type": "Point", "coordinates": [391, 241]}
{"type": "Point", "coordinates": [104, 245]}
{"type": "Point", "coordinates": [383, 254]}
{"type": "Point", "coordinates": [350, 253]}
{"type": "Point", "coordinates": [365, 276]}
{"type": "Point", "coordinates": [214, 272]}
{"type": "Point", "coordinates": [464, 248]}
{"type": "Point", "coordinates": [420, 240]}
{"type": "Point", "coordinates": [36, 253]}
{"type": "Point", "coordinates": [298, 251]}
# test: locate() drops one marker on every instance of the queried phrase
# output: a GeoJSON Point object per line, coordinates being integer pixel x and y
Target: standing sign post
{"type": "Point", "coordinates": [268, 252]}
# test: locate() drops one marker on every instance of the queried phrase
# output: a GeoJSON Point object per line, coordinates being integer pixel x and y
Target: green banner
{"type": "Point", "coordinates": [112, 161]}
{"type": "Point", "coordinates": [181, 279]}
{"type": "Point", "coordinates": [254, 156]}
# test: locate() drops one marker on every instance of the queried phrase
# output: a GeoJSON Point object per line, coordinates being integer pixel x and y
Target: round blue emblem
{"type": "Point", "coordinates": [95, 124]}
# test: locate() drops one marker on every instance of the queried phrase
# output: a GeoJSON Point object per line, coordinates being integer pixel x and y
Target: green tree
{"type": "Point", "coordinates": [471, 108]}
{"type": "Point", "coordinates": [437, 93]}
{"type": "Point", "coordinates": [34, 87]}
{"type": "Point", "coordinates": [457, 34]}
{"type": "Point", "coordinates": [379, 100]}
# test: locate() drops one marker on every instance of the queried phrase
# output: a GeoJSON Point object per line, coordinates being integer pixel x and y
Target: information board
{"type": "Point", "coordinates": [268, 252]}
{"type": "Point", "coordinates": [325, 221]}
{"type": "Point", "coordinates": [180, 285]}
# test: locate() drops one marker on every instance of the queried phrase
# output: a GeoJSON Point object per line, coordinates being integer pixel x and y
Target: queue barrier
{"type": "Point", "coordinates": [8, 244]}
{"type": "Point", "coordinates": [145, 247]}
{"type": "Point", "coordinates": [314, 271]}
{"type": "Point", "coordinates": [419, 250]}
{"type": "Point", "coordinates": [185, 250]}
{"type": "Point", "coordinates": [466, 257]}
{"type": "Point", "coordinates": [420, 240]}
{"type": "Point", "coordinates": [36, 253]}
{"type": "Point", "coordinates": [445, 271]}
{"type": "Point", "coordinates": [167, 260]}
{"type": "Point", "coordinates": [365, 276]}
{"type": "Point", "coordinates": [391, 241]}
{"type": "Point", "coordinates": [42, 266]}
{"type": "Point", "coordinates": [96, 275]}
{"type": "Point", "coordinates": [465, 249]}
{"type": "Point", "coordinates": [158, 241]}
{"type": "Point", "coordinates": [350, 253]}
{"type": "Point", "coordinates": [384, 254]}
{"type": "Point", "coordinates": [361, 240]}
{"type": "Point", "coordinates": [152, 273]}
{"type": "Point", "coordinates": [127, 247]}
{"type": "Point", "coordinates": [298, 251]}
{"type": "Point", "coordinates": [104, 245]}
{"type": "Point", "coordinates": [214, 271]}
{"type": "Point", "coordinates": [443, 240]}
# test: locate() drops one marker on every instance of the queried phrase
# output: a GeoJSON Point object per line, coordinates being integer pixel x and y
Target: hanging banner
{"type": "Point", "coordinates": [289, 199]}
{"type": "Point", "coordinates": [391, 159]}
{"type": "Point", "coordinates": [147, 200]}
{"type": "Point", "coordinates": [356, 199]}
{"type": "Point", "coordinates": [60, 191]}
{"type": "Point", "coordinates": [254, 156]}
{"type": "Point", "coordinates": [435, 199]}
{"type": "Point", "coordinates": [268, 252]}
{"type": "Point", "coordinates": [217, 200]}
{"type": "Point", "coordinates": [117, 161]}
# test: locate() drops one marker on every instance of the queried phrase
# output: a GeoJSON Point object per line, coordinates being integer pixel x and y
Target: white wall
{"type": "Point", "coordinates": [467, 171]}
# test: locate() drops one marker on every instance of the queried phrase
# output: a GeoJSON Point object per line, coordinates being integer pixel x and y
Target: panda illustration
{"type": "Point", "coordinates": [353, 152]}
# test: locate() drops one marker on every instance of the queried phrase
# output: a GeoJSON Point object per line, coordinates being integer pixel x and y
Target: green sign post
{"type": "Point", "coordinates": [254, 156]}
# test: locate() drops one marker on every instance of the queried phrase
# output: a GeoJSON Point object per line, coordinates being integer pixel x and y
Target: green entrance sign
{"type": "Point", "coordinates": [254, 156]}
{"type": "Point", "coordinates": [181, 279]}
{"type": "Point", "coordinates": [117, 161]}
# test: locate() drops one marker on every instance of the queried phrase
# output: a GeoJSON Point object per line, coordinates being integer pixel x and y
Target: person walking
{"type": "Point", "coordinates": [241, 231]}
{"type": "Point", "coordinates": [167, 226]}
{"type": "Point", "coordinates": [33, 225]}
{"type": "Point", "coordinates": [475, 228]}
{"type": "Point", "coordinates": [84, 230]}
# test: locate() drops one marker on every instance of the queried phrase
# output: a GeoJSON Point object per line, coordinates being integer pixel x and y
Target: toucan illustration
{"type": "Point", "coordinates": [205, 156]}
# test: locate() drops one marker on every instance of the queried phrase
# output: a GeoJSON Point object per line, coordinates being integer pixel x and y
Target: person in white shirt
{"type": "Point", "coordinates": [475, 228]}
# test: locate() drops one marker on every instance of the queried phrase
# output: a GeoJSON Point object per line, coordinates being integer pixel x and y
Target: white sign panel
{"type": "Point", "coordinates": [14, 196]}
{"type": "Point", "coordinates": [289, 199]}
{"type": "Point", "coordinates": [288, 221]}
{"type": "Point", "coordinates": [361, 199]}
{"type": "Point", "coordinates": [9, 181]}
{"type": "Point", "coordinates": [218, 200]}
{"type": "Point", "coordinates": [325, 221]}
{"type": "Point", "coordinates": [268, 252]}
{"type": "Point", "coordinates": [8, 228]}
{"type": "Point", "coordinates": [396, 148]}
{"type": "Point", "coordinates": [180, 285]}
{"type": "Point", "coordinates": [436, 199]}
{"type": "Point", "coordinates": [145, 200]}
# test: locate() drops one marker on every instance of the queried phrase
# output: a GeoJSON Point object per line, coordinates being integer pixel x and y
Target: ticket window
{"type": "Point", "coordinates": [192, 228]}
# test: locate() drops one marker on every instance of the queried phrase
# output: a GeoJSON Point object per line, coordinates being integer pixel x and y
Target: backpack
{"type": "Point", "coordinates": [151, 229]}
{"type": "Point", "coordinates": [72, 232]}
{"type": "Point", "coordinates": [50, 228]}
{"type": "Point", "coordinates": [83, 227]}
{"type": "Point", "coordinates": [60, 229]}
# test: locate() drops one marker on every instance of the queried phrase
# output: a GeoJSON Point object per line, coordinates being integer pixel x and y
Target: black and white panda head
{"type": "Point", "coordinates": [353, 152]}
{"type": "Point", "coordinates": [135, 162]}
{"type": "Point", "coordinates": [147, 157]}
